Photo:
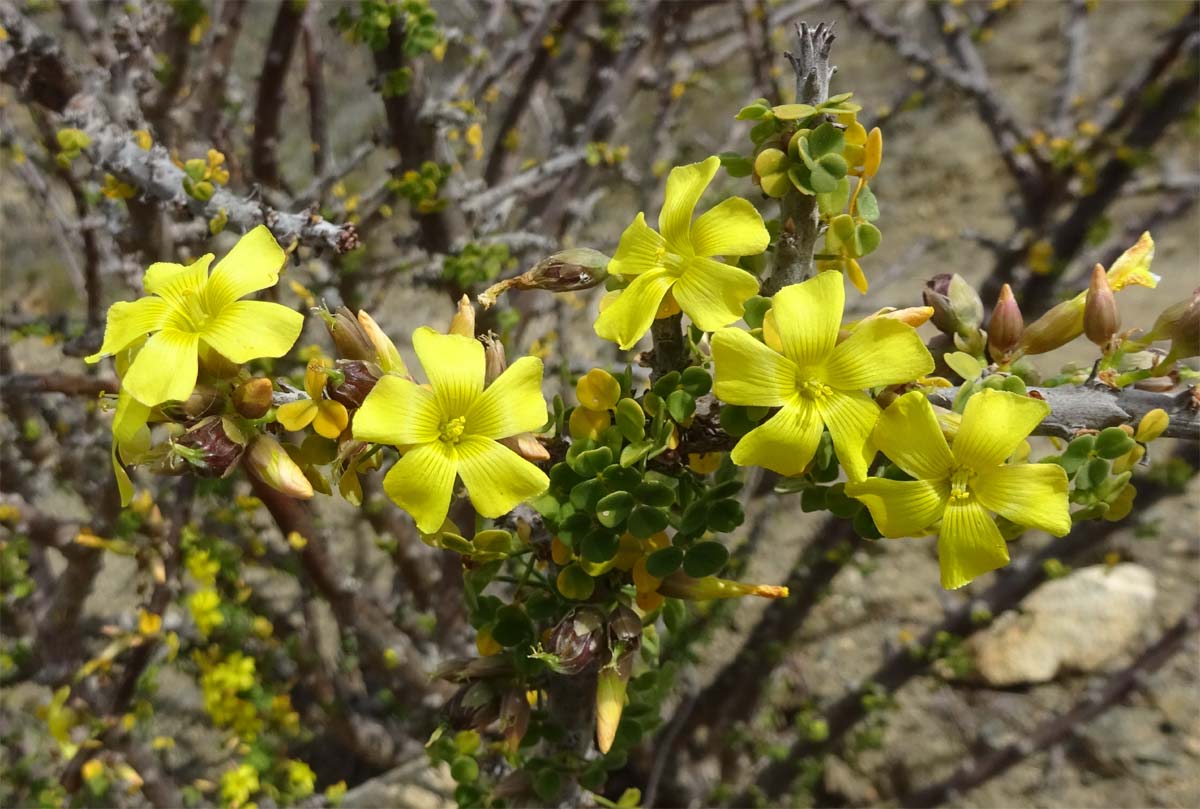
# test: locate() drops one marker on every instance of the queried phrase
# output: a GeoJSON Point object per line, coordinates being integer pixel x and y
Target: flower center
{"type": "Point", "coordinates": [452, 430]}
{"type": "Point", "coordinates": [194, 310]}
{"type": "Point", "coordinates": [961, 479]}
{"type": "Point", "coordinates": [812, 388]}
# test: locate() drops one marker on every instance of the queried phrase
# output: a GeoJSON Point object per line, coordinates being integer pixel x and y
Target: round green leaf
{"type": "Point", "coordinates": [631, 421]}
{"type": "Point", "coordinates": [613, 509]}
{"type": "Point", "coordinates": [681, 406]}
{"type": "Point", "coordinates": [600, 545]}
{"type": "Point", "coordinates": [793, 112]}
{"type": "Point", "coordinates": [725, 516]}
{"type": "Point", "coordinates": [653, 493]}
{"type": "Point", "coordinates": [696, 381]}
{"type": "Point", "coordinates": [512, 626]}
{"type": "Point", "coordinates": [705, 559]}
{"type": "Point", "coordinates": [646, 521]}
{"type": "Point", "coordinates": [868, 237]}
{"type": "Point", "coordinates": [1113, 442]}
{"type": "Point", "coordinates": [826, 139]}
{"type": "Point", "coordinates": [664, 562]}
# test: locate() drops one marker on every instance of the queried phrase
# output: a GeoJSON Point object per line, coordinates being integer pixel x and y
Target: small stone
{"type": "Point", "coordinates": [1078, 623]}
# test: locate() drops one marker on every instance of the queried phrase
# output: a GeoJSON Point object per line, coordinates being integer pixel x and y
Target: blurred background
{"type": "Point", "coordinates": [1023, 143]}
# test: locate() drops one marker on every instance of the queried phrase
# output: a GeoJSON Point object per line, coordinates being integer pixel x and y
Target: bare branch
{"type": "Point", "coordinates": [272, 83]}
{"type": "Point", "coordinates": [1075, 31]}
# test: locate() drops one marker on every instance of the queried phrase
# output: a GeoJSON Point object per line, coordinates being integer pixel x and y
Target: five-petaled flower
{"type": "Point", "coordinates": [680, 261]}
{"type": "Point", "coordinates": [327, 417]}
{"type": "Point", "coordinates": [958, 485]}
{"type": "Point", "coordinates": [187, 311]}
{"type": "Point", "coordinates": [452, 428]}
{"type": "Point", "coordinates": [815, 380]}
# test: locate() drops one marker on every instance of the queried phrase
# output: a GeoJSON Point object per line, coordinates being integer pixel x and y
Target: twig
{"type": "Point", "coordinates": [55, 382]}
{"type": "Point", "coordinates": [211, 86]}
{"type": "Point", "coordinates": [272, 83]}
{"type": "Point", "coordinates": [976, 772]}
{"type": "Point", "coordinates": [314, 83]}
{"type": "Point", "coordinates": [1075, 31]}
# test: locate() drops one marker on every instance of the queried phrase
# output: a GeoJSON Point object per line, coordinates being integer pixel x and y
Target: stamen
{"type": "Point", "coordinates": [452, 430]}
{"type": "Point", "coordinates": [961, 480]}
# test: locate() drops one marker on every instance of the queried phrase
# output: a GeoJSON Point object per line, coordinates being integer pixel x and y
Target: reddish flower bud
{"type": "Point", "coordinates": [252, 398]}
{"type": "Point", "coordinates": [1101, 319]}
{"type": "Point", "coordinates": [1006, 325]}
{"type": "Point", "coordinates": [358, 378]}
{"type": "Point", "coordinates": [577, 640]}
{"type": "Point", "coordinates": [213, 447]}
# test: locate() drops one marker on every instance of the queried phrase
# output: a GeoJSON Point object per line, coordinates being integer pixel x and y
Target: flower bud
{"type": "Point", "coordinates": [212, 450]}
{"type": "Point", "coordinates": [1101, 319]}
{"type": "Point", "coordinates": [611, 685]}
{"type": "Point", "coordinates": [1006, 325]}
{"type": "Point", "coordinates": [566, 270]}
{"type": "Point", "coordinates": [252, 398]}
{"type": "Point", "coordinates": [349, 337]}
{"type": "Point", "coordinates": [494, 361]}
{"type": "Point", "coordinates": [1152, 425]}
{"type": "Point", "coordinates": [624, 628]}
{"type": "Point", "coordinates": [358, 378]}
{"type": "Point", "coordinates": [463, 670]}
{"type": "Point", "coordinates": [528, 447]}
{"type": "Point", "coordinates": [681, 585]}
{"type": "Point", "coordinates": [385, 350]}
{"type": "Point", "coordinates": [473, 707]}
{"type": "Point", "coordinates": [514, 718]}
{"type": "Point", "coordinates": [269, 462]}
{"type": "Point", "coordinates": [576, 641]}
{"type": "Point", "coordinates": [202, 402]}
{"type": "Point", "coordinates": [1180, 323]}
{"type": "Point", "coordinates": [463, 322]}
{"type": "Point", "coordinates": [1059, 326]}
{"type": "Point", "coordinates": [936, 296]}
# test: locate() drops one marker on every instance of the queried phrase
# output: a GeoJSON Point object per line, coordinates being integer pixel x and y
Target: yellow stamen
{"type": "Point", "coordinates": [452, 430]}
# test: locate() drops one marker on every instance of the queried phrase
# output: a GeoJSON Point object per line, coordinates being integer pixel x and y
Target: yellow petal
{"type": "Point", "coordinates": [785, 443]}
{"type": "Point", "coordinates": [512, 404]}
{"type": "Point", "coordinates": [733, 227]}
{"type": "Point", "coordinates": [331, 419]}
{"type": "Point", "coordinates": [685, 185]}
{"type": "Point", "coordinates": [497, 478]}
{"type": "Point", "coordinates": [746, 372]}
{"type": "Point", "coordinates": [165, 369]}
{"type": "Point", "coordinates": [385, 350]}
{"type": "Point", "coordinates": [1034, 495]}
{"type": "Point", "coordinates": [994, 424]}
{"type": "Point", "coordinates": [881, 351]}
{"type": "Point", "coordinates": [808, 316]}
{"type": "Point", "coordinates": [855, 274]}
{"type": "Point", "coordinates": [253, 264]}
{"type": "Point", "coordinates": [969, 544]}
{"type": "Point", "coordinates": [850, 417]}
{"type": "Point", "coordinates": [627, 318]}
{"type": "Point", "coordinates": [173, 281]}
{"type": "Point", "coordinates": [124, 483]}
{"type": "Point", "coordinates": [1133, 266]}
{"type": "Point", "coordinates": [640, 249]}
{"type": "Point", "coordinates": [712, 294]}
{"type": "Point", "coordinates": [247, 330]}
{"type": "Point", "coordinates": [295, 416]}
{"type": "Point", "coordinates": [422, 482]}
{"type": "Point", "coordinates": [454, 365]}
{"type": "Point", "coordinates": [908, 433]}
{"type": "Point", "coordinates": [398, 412]}
{"type": "Point", "coordinates": [128, 321]}
{"type": "Point", "coordinates": [129, 418]}
{"type": "Point", "coordinates": [902, 508]}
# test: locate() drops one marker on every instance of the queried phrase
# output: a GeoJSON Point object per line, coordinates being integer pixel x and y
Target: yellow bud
{"type": "Point", "coordinates": [681, 585]}
{"type": "Point", "coordinates": [874, 153]}
{"type": "Point", "coordinates": [297, 540]}
{"type": "Point", "coordinates": [385, 350]}
{"type": "Point", "coordinates": [610, 704]}
{"type": "Point", "coordinates": [463, 321]}
{"type": "Point", "coordinates": [143, 139]}
{"type": "Point", "coordinates": [268, 461]}
{"type": "Point", "coordinates": [149, 623]}
{"type": "Point", "coordinates": [598, 390]}
{"type": "Point", "coordinates": [642, 580]}
{"type": "Point", "coordinates": [92, 770]}
{"type": "Point", "coordinates": [1152, 425]}
{"type": "Point", "coordinates": [1059, 326]}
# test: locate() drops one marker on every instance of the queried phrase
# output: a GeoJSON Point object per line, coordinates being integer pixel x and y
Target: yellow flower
{"type": "Point", "coordinates": [813, 378]}
{"type": "Point", "coordinates": [188, 311]}
{"type": "Point", "coordinates": [238, 784]}
{"type": "Point", "coordinates": [959, 485]}
{"type": "Point", "coordinates": [205, 606]}
{"type": "Point", "coordinates": [452, 428]}
{"type": "Point", "coordinates": [680, 261]}
{"type": "Point", "coordinates": [328, 418]}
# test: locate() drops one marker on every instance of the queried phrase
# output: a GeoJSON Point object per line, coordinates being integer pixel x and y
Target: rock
{"type": "Point", "coordinates": [1078, 623]}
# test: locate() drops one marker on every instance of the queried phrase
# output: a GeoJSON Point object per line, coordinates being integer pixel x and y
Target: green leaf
{"type": "Point", "coordinates": [600, 545]}
{"type": "Point", "coordinates": [867, 206]}
{"type": "Point", "coordinates": [725, 516]}
{"type": "Point", "coordinates": [653, 493]}
{"type": "Point", "coordinates": [764, 129]}
{"type": "Point", "coordinates": [964, 364]}
{"type": "Point", "coordinates": [705, 559]}
{"type": "Point", "coordinates": [512, 626]}
{"type": "Point", "coordinates": [751, 112]}
{"type": "Point", "coordinates": [1113, 442]}
{"type": "Point", "coordinates": [839, 503]}
{"type": "Point", "coordinates": [821, 181]}
{"type": "Point", "coordinates": [646, 521]}
{"type": "Point", "coordinates": [575, 584]}
{"type": "Point", "coordinates": [586, 495]}
{"type": "Point", "coordinates": [664, 562]}
{"type": "Point", "coordinates": [631, 421]}
{"type": "Point", "coordinates": [834, 164]}
{"type": "Point", "coordinates": [826, 139]}
{"type": "Point", "coordinates": [613, 509]}
{"type": "Point", "coordinates": [737, 165]}
{"type": "Point", "coordinates": [868, 238]}
{"type": "Point", "coordinates": [681, 406]}
{"type": "Point", "coordinates": [834, 202]}
{"type": "Point", "coordinates": [813, 499]}
{"type": "Point", "coordinates": [667, 383]}
{"type": "Point", "coordinates": [695, 517]}
{"type": "Point", "coordinates": [793, 112]}
{"type": "Point", "coordinates": [592, 462]}
{"type": "Point", "coordinates": [696, 381]}
{"type": "Point", "coordinates": [636, 451]}
{"type": "Point", "coordinates": [756, 309]}
{"type": "Point", "coordinates": [619, 478]}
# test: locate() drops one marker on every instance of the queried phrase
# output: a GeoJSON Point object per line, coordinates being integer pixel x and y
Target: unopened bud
{"type": "Point", "coordinates": [514, 718]}
{"type": "Point", "coordinates": [1101, 319]}
{"type": "Point", "coordinates": [576, 641]}
{"type": "Point", "coordinates": [268, 461]}
{"type": "Point", "coordinates": [611, 685]}
{"type": "Point", "coordinates": [624, 627]}
{"type": "Point", "coordinates": [566, 270]}
{"type": "Point", "coordinates": [473, 707]}
{"type": "Point", "coordinates": [1006, 325]}
{"type": "Point", "coordinates": [956, 306]}
{"type": "Point", "coordinates": [385, 350]}
{"type": "Point", "coordinates": [252, 398]}
{"type": "Point", "coordinates": [1180, 323]}
{"type": "Point", "coordinates": [681, 585]}
{"type": "Point", "coordinates": [527, 446]}
{"type": "Point", "coordinates": [202, 402]}
{"type": "Point", "coordinates": [463, 322]}
{"type": "Point", "coordinates": [212, 448]}
{"type": "Point", "coordinates": [1152, 425]}
{"type": "Point", "coordinates": [358, 379]}
{"type": "Point", "coordinates": [349, 337]}
{"type": "Point", "coordinates": [494, 361]}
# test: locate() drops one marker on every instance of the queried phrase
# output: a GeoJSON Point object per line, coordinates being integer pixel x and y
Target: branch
{"type": "Point", "coordinates": [1067, 93]}
{"type": "Point", "coordinates": [33, 63]}
{"type": "Point", "coordinates": [978, 771]}
{"type": "Point", "coordinates": [54, 382]}
{"type": "Point", "coordinates": [272, 83]}
{"type": "Point", "coordinates": [1094, 407]}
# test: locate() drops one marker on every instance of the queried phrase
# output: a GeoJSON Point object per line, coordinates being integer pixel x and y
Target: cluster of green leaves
{"type": "Point", "coordinates": [370, 21]}
{"type": "Point", "coordinates": [477, 264]}
{"type": "Point", "coordinates": [422, 188]}
{"type": "Point", "coordinates": [1091, 462]}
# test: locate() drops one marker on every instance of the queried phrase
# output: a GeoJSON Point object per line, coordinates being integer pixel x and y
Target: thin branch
{"type": "Point", "coordinates": [314, 84]}
{"type": "Point", "coordinates": [976, 772]}
{"type": "Point", "coordinates": [272, 84]}
{"type": "Point", "coordinates": [1066, 96]}
{"type": "Point", "coordinates": [55, 382]}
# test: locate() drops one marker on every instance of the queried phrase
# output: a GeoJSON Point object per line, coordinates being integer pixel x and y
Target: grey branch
{"type": "Point", "coordinates": [34, 64]}
{"type": "Point", "coordinates": [1094, 407]}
